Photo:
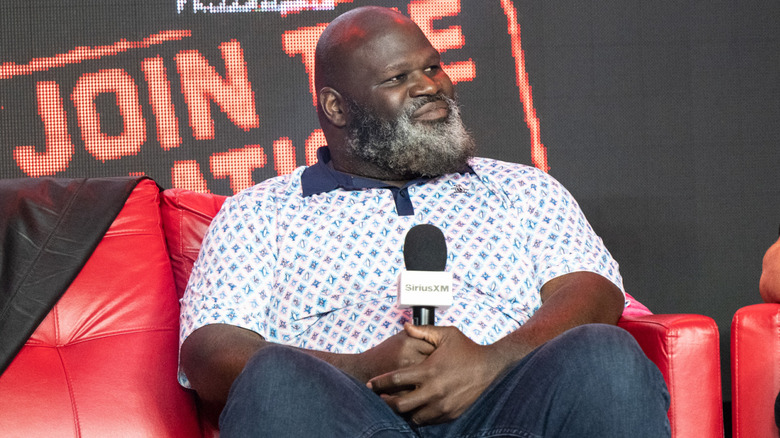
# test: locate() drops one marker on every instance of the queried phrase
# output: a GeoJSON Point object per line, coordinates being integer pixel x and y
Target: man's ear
{"type": "Point", "coordinates": [332, 105]}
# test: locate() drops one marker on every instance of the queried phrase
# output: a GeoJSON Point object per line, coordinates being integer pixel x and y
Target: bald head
{"type": "Point", "coordinates": [340, 41]}
{"type": "Point", "coordinates": [385, 105]}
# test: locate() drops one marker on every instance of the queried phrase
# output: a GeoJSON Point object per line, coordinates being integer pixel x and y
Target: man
{"type": "Point", "coordinates": [290, 320]}
{"type": "Point", "coordinates": [769, 285]}
{"type": "Point", "coordinates": [769, 288]}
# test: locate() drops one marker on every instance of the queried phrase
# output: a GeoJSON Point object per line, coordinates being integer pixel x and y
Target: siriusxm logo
{"type": "Point", "coordinates": [425, 288]}
{"type": "Point", "coordinates": [428, 288]}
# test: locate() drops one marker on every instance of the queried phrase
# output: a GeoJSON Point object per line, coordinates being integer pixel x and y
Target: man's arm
{"type": "Point", "coordinates": [459, 370]}
{"type": "Point", "coordinates": [769, 286]}
{"type": "Point", "coordinates": [567, 301]}
{"type": "Point", "coordinates": [214, 355]}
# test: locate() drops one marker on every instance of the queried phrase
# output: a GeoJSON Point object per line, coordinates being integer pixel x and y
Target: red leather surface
{"type": "Point", "coordinates": [186, 217]}
{"type": "Point", "coordinates": [755, 370]}
{"type": "Point", "coordinates": [686, 350]}
{"type": "Point", "coordinates": [103, 362]}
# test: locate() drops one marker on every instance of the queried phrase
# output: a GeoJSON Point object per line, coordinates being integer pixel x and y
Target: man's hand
{"type": "Point", "coordinates": [214, 355]}
{"type": "Point", "coordinates": [446, 383]}
{"type": "Point", "coordinates": [398, 351]}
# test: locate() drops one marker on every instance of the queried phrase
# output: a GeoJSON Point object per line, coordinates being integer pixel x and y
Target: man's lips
{"type": "Point", "coordinates": [435, 110]}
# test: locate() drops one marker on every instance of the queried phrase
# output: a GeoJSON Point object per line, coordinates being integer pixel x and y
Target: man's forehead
{"type": "Point", "coordinates": [358, 35]}
{"type": "Point", "coordinates": [393, 46]}
{"type": "Point", "coordinates": [371, 40]}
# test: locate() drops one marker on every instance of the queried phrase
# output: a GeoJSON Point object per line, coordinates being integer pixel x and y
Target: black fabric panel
{"type": "Point", "coordinates": [49, 227]}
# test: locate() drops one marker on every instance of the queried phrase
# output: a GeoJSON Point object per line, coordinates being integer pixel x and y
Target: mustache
{"type": "Point", "coordinates": [421, 101]}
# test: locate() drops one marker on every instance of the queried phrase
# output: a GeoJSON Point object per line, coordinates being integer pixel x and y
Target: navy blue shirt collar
{"type": "Point", "coordinates": [321, 178]}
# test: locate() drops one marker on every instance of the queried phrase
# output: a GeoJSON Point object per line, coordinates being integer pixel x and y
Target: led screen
{"type": "Point", "coordinates": [217, 97]}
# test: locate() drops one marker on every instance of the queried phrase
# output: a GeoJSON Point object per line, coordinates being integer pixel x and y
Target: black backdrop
{"type": "Point", "coordinates": [662, 118]}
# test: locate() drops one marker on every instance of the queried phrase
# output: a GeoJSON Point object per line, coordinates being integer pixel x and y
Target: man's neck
{"type": "Point", "coordinates": [390, 182]}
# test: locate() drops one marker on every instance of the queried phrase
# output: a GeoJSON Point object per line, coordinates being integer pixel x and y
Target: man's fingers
{"type": "Point", "coordinates": [393, 381]}
{"type": "Point", "coordinates": [407, 402]}
{"type": "Point", "coordinates": [417, 406]}
{"type": "Point", "coordinates": [419, 343]}
{"type": "Point", "coordinates": [428, 333]}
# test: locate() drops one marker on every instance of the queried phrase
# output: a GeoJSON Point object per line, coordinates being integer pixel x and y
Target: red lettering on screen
{"type": "Point", "coordinates": [101, 145]}
{"type": "Point", "coordinates": [538, 151]}
{"type": "Point", "coordinates": [201, 84]}
{"type": "Point", "coordinates": [284, 156]}
{"type": "Point", "coordinates": [424, 13]}
{"type": "Point", "coordinates": [237, 165]}
{"type": "Point", "coordinates": [186, 174]}
{"type": "Point", "coordinates": [59, 147]}
{"type": "Point", "coordinates": [83, 53]}
{"type": "Point", "coordinates": [303, 41]}
{"type": "Point", "coordinates": [315, 141]}
{"type": "Point", "coordinates": [162, 102]}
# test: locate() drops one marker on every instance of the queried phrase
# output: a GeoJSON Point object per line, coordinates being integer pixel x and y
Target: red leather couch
{"type": "Point", "coordinates": [103, 362]}
{"type": "Point", "coordinates": [755, 370]}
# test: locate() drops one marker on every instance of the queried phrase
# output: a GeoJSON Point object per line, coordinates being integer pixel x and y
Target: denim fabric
{"type": "Point", "coordinates": [592, 381]}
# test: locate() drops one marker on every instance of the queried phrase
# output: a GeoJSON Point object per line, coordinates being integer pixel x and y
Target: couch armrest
{"type": "Point", "coordinates": [186, 216]}
{"type": "Point", "coordinates": [755, 370]}
{"type": "Point", "coordinates": [686, 349]}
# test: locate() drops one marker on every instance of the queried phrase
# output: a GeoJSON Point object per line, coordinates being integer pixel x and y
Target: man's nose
{"type": "Point", "coordinates": [424, 85]}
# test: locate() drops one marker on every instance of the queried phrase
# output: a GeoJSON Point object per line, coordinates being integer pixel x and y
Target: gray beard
{"type": "Point", "coordinates": [406, 149]}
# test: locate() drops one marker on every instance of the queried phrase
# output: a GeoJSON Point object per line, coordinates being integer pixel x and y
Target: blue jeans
{"type": "Point", "coordinates": [591, 381]}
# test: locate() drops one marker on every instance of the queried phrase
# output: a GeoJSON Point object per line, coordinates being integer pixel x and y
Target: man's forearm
{"type": "Point", "coordinates": [568, 301]}
{"type": "Point", "coordinates": [214, 355]}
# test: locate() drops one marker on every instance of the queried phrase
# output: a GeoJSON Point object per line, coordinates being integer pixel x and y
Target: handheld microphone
{"type": "Point", "coordinates": [424, 285]}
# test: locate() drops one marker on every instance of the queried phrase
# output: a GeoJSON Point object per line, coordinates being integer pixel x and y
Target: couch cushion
{"type": "Point", "coordinates": [48, 230]}
{"type": "Point", "coordinates": [104, 360]}
{"type": "Point", "coordinates": [186, 217]}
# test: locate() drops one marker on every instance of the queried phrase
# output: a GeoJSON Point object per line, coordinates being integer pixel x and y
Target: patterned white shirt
{"type": "Point", "coordinates": [312, 259]}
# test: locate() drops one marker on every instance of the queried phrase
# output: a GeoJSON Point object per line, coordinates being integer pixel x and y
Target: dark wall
{"type": "Point", "coordinates": [662, 118]}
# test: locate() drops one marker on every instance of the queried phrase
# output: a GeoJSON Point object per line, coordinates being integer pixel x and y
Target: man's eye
{"type": "Point", "coordinates": [433, 68]}
{"type": "Point", "coordinates": [398, 78]}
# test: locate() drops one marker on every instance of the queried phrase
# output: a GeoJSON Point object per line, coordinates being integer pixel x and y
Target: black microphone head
{"type": "Point", "coordinates": [425, 249]}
